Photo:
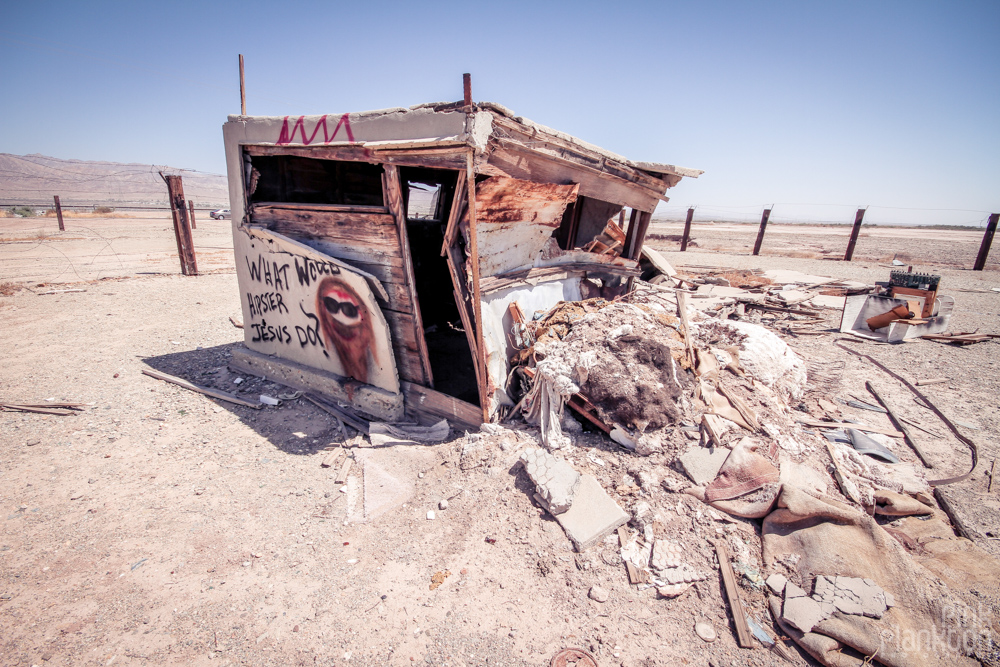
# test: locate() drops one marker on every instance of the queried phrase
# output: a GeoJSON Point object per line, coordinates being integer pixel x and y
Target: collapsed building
{"type": "Point", "coordinates": [456, 262]}
{"type": "Point", "coordinates": [370, 275]}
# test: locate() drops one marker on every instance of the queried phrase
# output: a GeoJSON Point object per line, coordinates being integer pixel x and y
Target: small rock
{"type": "Point", "coordinates": [706, 631]}
{"type": "Point", "coordinates": [32, 443]}
{"type": "Point", "coordinates": [295, 629]}
{"type": "Point", "coordinates": [598, 594]}
{"type": "Point", "coordinates": [430, 515]}
{"type": "Point", "coordinates": [443, 505]}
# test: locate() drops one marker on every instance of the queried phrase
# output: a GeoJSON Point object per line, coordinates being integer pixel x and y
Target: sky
{"type": "Point", "coordinates": [811, 109]}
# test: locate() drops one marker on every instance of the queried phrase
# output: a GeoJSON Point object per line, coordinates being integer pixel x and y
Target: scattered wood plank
{"type": "Point", "coordinates": [635, 576]}
{"type": "Point", "coordinates": [34, 408]}
{"type": "Point", "coordinates": [60, 291]}
{"type": "Point", "coordinates": [424, 400]}
{"type": "Point", "coordinates": [341, 477]}
{"type": "Point", "coordinates": [924, 383]}
{"type": "Point", "coordinates": [236, 322]}
{"type": "Point", "coordinates": [331, 458]}
{"type": "Point", "coordinates": [583, 407]}
{"type": "Point", "coordinates": [743, 635]}
{"type": "Point", "coordinates": [208, 391]}
{"type": "Point", "coordinates": [353, 421]}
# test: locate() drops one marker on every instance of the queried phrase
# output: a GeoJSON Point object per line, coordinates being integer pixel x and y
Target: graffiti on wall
{"type": "Point", "coordinates": [287, 136]}
{"type": "Point", "coordinates": [302, 305]}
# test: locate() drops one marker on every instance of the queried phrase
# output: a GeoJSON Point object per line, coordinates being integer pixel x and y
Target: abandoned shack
{"type": "Point", "coordinates": [368, 274]}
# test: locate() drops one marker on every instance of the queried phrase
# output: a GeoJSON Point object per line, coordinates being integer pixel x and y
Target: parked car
{"type": "Point", "coordinates": [221, 214]}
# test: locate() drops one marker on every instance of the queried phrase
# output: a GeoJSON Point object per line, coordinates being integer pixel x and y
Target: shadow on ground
{"type": "Point", "coordinates": [279, 425]}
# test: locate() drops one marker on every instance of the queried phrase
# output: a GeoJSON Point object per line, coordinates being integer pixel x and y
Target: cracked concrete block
{"type": "Point", "coordinates": [592, 516]}
{"type": "Point", "coordinates": [702, 464]}
{"type": "Point", "coordinates": [555, 480]}
{"type": "Point", "coordinates": [776, 582]}
{"type": "Point", "coordinates": [793, 591]}
{"type": "Point", "coordinates": [802, 612]}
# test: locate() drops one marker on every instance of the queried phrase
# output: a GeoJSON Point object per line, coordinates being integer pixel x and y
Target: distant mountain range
{"type": "Point", "coordinates": [33, 179]}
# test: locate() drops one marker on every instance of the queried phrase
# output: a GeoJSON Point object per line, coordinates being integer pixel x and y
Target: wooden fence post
{"type": "Point", "coordinates": [687, 230]}
{"type": "Point", "coordinates": [760, 234]}
{"type": "Point", "coordinates": [984, 249]}
{"type": "Point", "coordinates": [182, 229]}
{"type": "Point", "coordinates": [858, 217]}
{"type": "Point", "coordinates": [191, 214]}
{"type": "Point", "coordinates": [467, 89]}
{"type": "Point", "coordinates": [62, 227]}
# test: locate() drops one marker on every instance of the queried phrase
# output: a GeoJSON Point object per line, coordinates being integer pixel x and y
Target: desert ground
{"type": "Point", "coordinates": [161, 527]}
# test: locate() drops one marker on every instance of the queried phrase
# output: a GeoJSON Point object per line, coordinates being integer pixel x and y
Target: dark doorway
{"type": "Point", "coordinates": [427, 198]}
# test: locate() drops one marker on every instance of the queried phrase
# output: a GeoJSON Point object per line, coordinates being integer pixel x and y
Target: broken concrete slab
{"type": "Point", "coordinates": [555, 480]}
{"type": "Point", "coordinates": [776, 582]}
{"type": "Point", "coordinates": [592, 516]}
{"type": "Point", "coordinates": [802, 612]}
{"type": "Point", "coordinates": [702, 464]}
{"type": "Point", "coordinates": [851, 595]}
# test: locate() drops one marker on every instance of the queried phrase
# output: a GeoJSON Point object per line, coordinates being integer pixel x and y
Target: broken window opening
{"type": "Point", "coordinates": [301, 180]}
{"type": "Point", "coordinates": [584, 221]}
{"type": "Point", "coordinates": [427, 201]}
{"type": "Point", "coordinates": [423, 201]}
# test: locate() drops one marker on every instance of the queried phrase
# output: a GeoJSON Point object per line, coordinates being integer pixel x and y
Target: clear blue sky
{"type": "Point", "coordinates": [895, 105]}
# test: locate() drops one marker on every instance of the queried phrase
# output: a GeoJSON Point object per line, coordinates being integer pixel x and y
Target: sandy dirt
{"type": "Point", "coordinates": [161, 527]}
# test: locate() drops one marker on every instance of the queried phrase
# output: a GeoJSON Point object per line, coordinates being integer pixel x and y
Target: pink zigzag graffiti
{"type": "Point", "coordinates": [287, 137]}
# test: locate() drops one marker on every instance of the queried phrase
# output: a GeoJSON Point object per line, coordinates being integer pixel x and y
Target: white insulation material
{"type": "Point", "coordinates": [497, 322]}
{"type": "Point", "coordinates": [769, 359]}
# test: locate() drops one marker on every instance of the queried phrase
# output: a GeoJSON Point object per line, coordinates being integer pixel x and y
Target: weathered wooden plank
{"type": "Point", "coordinates": [394, 197]}
{"type": "Point", "coordinates": [559, 148]}
{"type": "Point", "coordinates": [458, 204]}
{"type": "Point", "coordinates": [362, 254]}
{"type": "Point", "coordinates": [361, 230]}
{"type": "Point", "coordinates": [387, 272]}
{"type": "Point", "coordinates": [521, 162]}
{"type": "Point", "coordinates": [336, 208]}
{"type": "Point", "coordinates": [482, 378]}
{"type": "Point", "coordinates": [460, 415]}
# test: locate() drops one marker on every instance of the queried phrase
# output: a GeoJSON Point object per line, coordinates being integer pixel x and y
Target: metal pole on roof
{"type": "Point", "coordinates": [467, 89]}
{"type": "Point", "coordinates": [243, 90]}
{"type": "Point", "coordinates": [984, 248]}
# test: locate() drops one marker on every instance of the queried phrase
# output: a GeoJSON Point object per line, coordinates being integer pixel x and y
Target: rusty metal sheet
{"type": "Point", "coordinates": [515, 218]}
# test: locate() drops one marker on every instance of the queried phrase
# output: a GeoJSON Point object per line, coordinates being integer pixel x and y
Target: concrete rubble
{"type": "Point", "coordinates": [687, 433]}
